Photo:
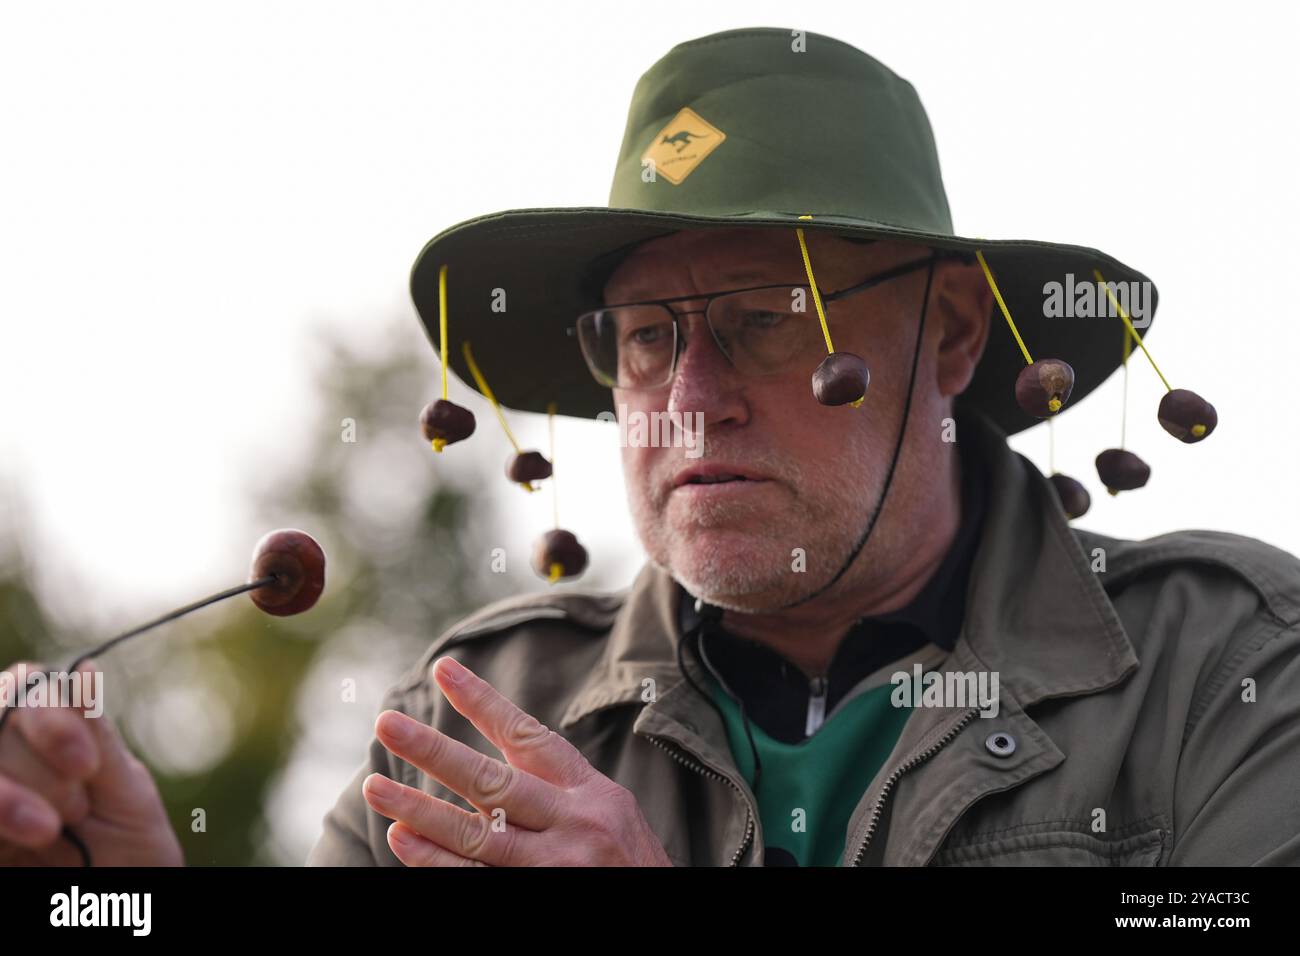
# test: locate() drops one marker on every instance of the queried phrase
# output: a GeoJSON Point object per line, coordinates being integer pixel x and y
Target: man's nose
{"type": "Point", "coordinates": [705, 381]}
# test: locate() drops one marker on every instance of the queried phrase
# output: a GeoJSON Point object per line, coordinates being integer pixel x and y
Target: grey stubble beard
{"type": "Point", "coordinates": [751, 568]}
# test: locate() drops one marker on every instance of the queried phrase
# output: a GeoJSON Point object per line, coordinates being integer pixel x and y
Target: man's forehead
{"type": "Point", "coordinates": [729, 255]}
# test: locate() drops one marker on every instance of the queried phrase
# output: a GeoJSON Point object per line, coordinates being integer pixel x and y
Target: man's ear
{"type": "Point", "coordinates": [963, 303]}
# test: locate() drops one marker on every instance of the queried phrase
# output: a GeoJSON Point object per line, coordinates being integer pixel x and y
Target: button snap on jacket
{"type": "Point", "coordinates": [1001, 744]}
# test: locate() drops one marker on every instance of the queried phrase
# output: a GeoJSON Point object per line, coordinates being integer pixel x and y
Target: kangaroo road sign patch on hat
{"type": "Point", "coordinates": [682, 145]}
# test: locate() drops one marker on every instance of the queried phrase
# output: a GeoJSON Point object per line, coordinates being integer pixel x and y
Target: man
{"type": "Point", "coordinates": [739, 703]}
{"type": "Point", "coordinates": [866, 634]}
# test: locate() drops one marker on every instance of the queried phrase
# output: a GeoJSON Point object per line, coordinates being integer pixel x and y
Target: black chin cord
{"type": "Point", "coordinates": [710, 615]}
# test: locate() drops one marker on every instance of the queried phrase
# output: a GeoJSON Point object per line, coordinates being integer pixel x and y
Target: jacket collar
{"type": "Point", "coordinates": [1035, 611]}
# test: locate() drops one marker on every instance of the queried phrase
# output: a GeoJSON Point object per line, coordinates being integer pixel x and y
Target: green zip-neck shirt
{"type": "Point", "coordinates": [810, 789]}
{"type": "Point", "coordinates": [822, 740]}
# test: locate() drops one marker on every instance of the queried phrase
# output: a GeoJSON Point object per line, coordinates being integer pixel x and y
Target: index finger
{"type": "Point", "coordinates": [524, 740]}
{"type": "Point", "coordinates": [54, 730]}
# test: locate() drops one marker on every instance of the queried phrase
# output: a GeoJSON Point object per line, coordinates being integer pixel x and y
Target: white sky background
{"type": "Point", "coordinates": [191, 192]}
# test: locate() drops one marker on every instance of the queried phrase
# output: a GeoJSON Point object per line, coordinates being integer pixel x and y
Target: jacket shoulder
{"type": "Point", "coordinates": [587, 611]}
{"type": "Point", "coordinates": [1274, 574]}
{"type": "Point", "coordinates": [1214, 619]}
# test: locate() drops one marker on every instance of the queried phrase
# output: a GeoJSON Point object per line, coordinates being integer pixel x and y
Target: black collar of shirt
{"type": "Point", "coordinates": [775, 693]}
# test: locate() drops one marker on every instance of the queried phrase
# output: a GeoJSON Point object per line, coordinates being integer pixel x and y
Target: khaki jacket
{"type": "Point", "coordinates": [1149, 707]}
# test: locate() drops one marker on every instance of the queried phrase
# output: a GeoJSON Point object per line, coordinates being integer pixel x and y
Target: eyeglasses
{"type": "Point", "coordinates": [762, 331]}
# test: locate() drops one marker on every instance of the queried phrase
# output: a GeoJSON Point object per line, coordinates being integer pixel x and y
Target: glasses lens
{"type": "Point", "coordinates": [765, 331]}
{"type": "Point", "coordinates": [628, 346]}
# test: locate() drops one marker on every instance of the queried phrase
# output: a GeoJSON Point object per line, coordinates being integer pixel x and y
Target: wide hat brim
{"type": "Point", "coordinates": [518, 279]}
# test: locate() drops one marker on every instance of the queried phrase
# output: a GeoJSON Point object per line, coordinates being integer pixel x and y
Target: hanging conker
{"type": "Point", "coordinates": [1043, 387]}
{"type": "Point", "coordinates": [1186, 415]}
{"type": "Point", "coordinates": [1121, 470]}
{"type": "Point", "coordinates": [1075, 499]}
{"type": "Point", "coordinates": [444, 422]}
{"type": "Point", "coordinates": [841, 378]}
{"type": "Point", "coordinates": [298, 564]}
{"type": "Point", "coordinates": [528, 466]}
{"type": "Point", "coordinates": [557, 554]}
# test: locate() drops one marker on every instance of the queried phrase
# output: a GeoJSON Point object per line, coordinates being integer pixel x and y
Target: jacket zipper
{"type": "Point", "coordinates": [816, 705]}
{"type": "Point", "coordinates": [899, 771]}
{"type": "Point", "coordinates": [675, 752]}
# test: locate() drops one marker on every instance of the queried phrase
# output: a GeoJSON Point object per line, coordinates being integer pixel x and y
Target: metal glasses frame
{"type": "Point", "coordinates": [894, 272]}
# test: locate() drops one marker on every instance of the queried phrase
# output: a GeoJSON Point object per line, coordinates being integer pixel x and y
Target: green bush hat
{"type": "Point", "coordinates": [754, 128]}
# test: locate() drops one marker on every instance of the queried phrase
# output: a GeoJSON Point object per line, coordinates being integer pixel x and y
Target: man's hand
{"type": "Point", "coordinates": [59, 767]}
{"type": "Point", "coordinates": [546, 806]}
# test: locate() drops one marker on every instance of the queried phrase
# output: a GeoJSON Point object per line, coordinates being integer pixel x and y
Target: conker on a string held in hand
{"type": "Point", "coordinates": [444, 422]}
{"type": "Point", "coordinates": [298, 564]}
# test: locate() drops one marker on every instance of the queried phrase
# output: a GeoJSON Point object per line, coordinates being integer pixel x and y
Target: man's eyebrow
{"type": "Point", "coordinates": [749, 275]}
{"type": "Point", "coordinates": [740, 279]}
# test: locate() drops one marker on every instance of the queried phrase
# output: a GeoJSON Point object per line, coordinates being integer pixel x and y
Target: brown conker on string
{"type": "Point", "coordinates": [557, 554]}
{"type": "Point", "coordinates": [528, 466]}
{"type": "Point", "coordinates": [1121, 470]}
{"type": "Point", "coordinates": [444, 422]}
{"type": "Point", "coordinates": [1043, 387]}
{"type": "Point", "coordinates": [1074, 498]}
{"type": "Point", "coordinates": [298, 564]}
{"type": "Point", "coordinates": [1186, 415]}
{"type": "Point", "coordinates": [841, 378]}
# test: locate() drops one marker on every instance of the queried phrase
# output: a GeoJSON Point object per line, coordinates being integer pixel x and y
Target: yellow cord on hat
{"type": "Point", "coordinates": [439, 443]}
{"type": "Point", "coordinates": [442, 323]}
{"type": "Point", "coordinates": [496, 406]}
{"type": "Point", "coordinates": [556, 570]}
{"type": "Point", "coordinates": [1129, 325]}
{"type": "Point", "coordinates": [1123, 420]}
{"type": "Point", "coordinates": [817, 298]}
{"type": "Point", "coordinates": [1003, 306]}
{"type": "Point", "coordinates": [1051, 448]}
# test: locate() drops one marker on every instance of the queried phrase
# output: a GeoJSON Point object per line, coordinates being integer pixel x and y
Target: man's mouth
{"type": "Point", "coordinates": [714, 479]}
{"type": "Point", "coordinates": [719, 473]}
{"type": "Point", "coordinates": [713, 484]}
